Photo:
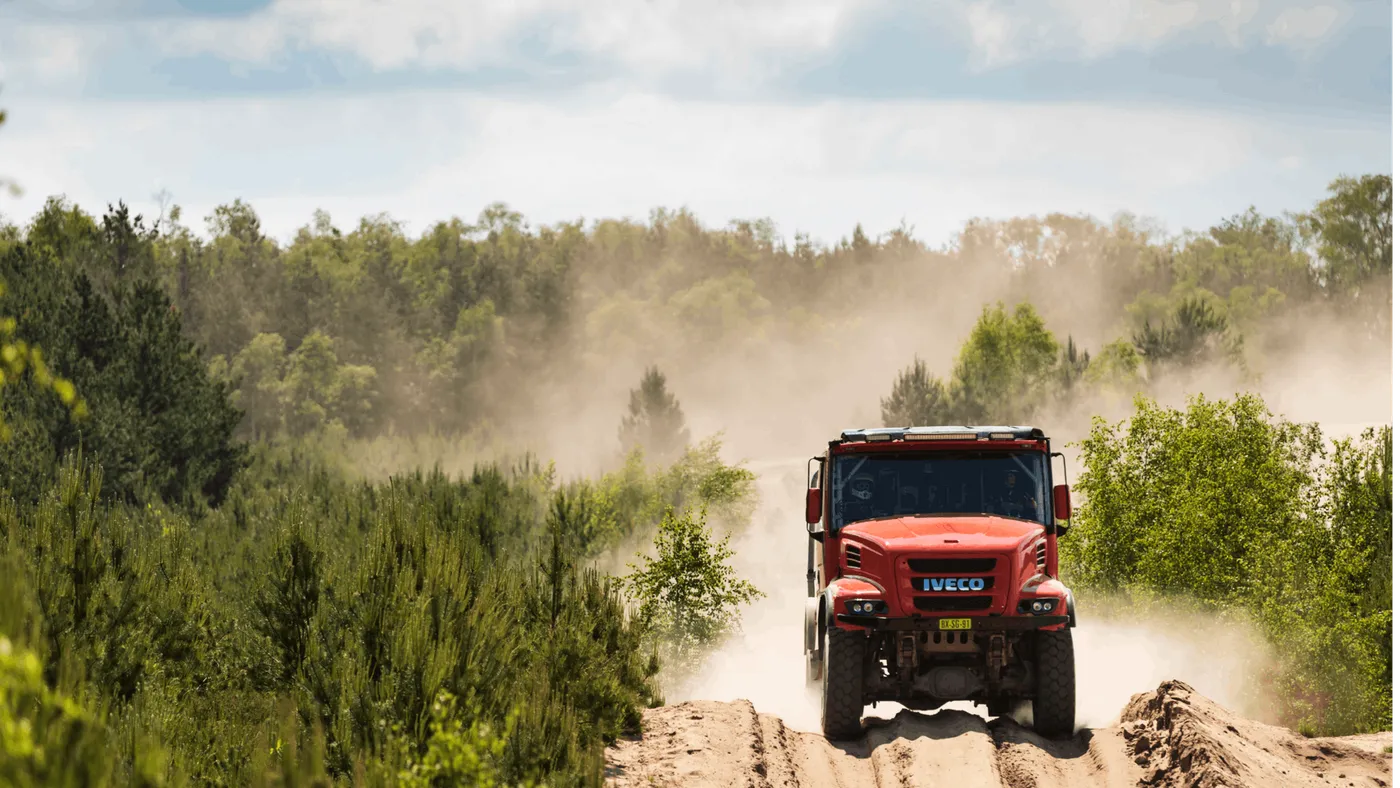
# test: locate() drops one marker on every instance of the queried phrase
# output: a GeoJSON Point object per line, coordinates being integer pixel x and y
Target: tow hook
{"type": "Point", "coordinates": [996, 656]}
{"type": "Point", "coordinates": [906, 664]}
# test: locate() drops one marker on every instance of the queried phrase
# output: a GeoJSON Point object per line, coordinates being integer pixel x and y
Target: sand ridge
{"type": "Point", "coordinates": [1172, 736]}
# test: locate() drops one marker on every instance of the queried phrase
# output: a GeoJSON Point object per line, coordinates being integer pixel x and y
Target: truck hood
{"type": "Point", "coordinates": [950, 533]}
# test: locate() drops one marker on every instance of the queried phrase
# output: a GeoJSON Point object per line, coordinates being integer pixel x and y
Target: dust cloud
{"type": "Point", "coordinates": [775, 395]}
{"type": "Point", "coordinates": [1117, 657]}
{"type": "Point", "coordinates": [784, 413]}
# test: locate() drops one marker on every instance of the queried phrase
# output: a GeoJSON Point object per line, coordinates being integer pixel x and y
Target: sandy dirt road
{"type": "Point", "coordinates": [1170, 737]}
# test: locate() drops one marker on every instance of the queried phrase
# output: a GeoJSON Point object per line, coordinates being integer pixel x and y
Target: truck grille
{"type": "Point", "coordinates": [935, 604]}
{"type": "Point", "coordinates": [1040, 555]}
{"type": "Point", "coordinates": [951, 566]}
{"type": "Point", "coordinates": [918, 584]}
{"type": "Point", "coordinates": [988, 588]}
{"type": "Point", "coordinates": [852, 556]}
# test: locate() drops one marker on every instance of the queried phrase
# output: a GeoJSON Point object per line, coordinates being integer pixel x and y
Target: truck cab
{"type": "Point", "coordinates": [933, 574]}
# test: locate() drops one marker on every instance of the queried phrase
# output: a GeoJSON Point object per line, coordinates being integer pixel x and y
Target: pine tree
{"type": "Point", "coordinates": [1073, 364]}
{"type": "Point", "coordinates": [654, 421]}
{"type": "Point", "coordinates": [917, 399]}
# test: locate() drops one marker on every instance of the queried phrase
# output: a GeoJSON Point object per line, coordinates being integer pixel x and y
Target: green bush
{"type": "Point", "coordinates": [457, 754]}
{"type": "Point", "coordinates": [46, 738]}
{"type": "Point", "coordinates": [1224, 504]}
{"type": "Point", "coordinates": [689, 596]}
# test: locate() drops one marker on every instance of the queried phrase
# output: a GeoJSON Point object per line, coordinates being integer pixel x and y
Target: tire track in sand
{"type": "Point", "coordinates": [1171, 737]}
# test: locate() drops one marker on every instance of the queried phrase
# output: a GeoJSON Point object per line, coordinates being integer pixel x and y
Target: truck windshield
{"type": "Point", "coordinates": [1010, 484]}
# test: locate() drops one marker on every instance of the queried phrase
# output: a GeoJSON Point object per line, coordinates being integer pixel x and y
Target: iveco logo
{"type": "Point", "coordinates": [953, 584]}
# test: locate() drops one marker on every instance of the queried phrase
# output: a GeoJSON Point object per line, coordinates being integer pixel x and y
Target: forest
{"type": "Point", "coordinates": [208, 583]}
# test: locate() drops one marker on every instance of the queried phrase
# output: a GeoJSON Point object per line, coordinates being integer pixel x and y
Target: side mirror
{"type": "Point", "coordinates": [1062, 502]}
{"type": "Point", "coordinates": [814, 505]}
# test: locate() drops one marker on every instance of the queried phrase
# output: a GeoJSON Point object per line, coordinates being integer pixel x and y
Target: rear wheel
{"type": "Point", "coordinates": [843, 683]}
{"type": "Point", "coordinates": [1053, 705]}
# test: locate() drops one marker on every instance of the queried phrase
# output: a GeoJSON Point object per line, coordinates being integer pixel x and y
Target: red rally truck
{"type": "Point", "coordinates": [937, 579]}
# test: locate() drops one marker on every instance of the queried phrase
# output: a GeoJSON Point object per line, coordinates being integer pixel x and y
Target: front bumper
{"type": "Point", "coordinates": [979, 623]}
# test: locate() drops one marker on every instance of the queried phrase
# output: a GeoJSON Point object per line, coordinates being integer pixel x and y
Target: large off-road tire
{"type": "Point", "coordinates": [843, 683]}
{"type": "Point", "coordinates": [1053, 705]}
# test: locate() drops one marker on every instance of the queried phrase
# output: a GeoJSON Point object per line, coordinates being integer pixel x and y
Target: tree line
{"type": "Point", "coordinates": [371, 332]}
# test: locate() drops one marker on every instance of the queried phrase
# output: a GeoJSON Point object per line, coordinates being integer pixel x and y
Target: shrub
{"type": "Point", "coordinates": [1225, 504]}
{"type": "Point", "coordinates": [689, 596]}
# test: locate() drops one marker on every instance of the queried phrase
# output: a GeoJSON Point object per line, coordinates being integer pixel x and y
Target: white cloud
{"type": "Point", "coordinates": [646, 35]}
{"type": "Point", "coordinates": [994, 33]}
{"type": "Point", "coordinates": [733, 43]}
{"type": "Point", "coordinates": [1102, 26]}
{"type": "Point", "coordinates": [819, 168]}
{"type": "Point", "coordinates": [1002, 32]}
{"type": "Point", "coordinates": [1303, 27]}
{"type": "Point", "coordinates": [48, 55]}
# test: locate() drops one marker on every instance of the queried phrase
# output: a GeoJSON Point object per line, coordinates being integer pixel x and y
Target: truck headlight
{"type": "Point", "coordinates": [1038, 606]}
{"type": "Point", "coordinates": [865, 607]}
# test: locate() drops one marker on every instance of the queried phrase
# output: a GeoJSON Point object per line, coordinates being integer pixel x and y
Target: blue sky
{"type": "Point", "coordinates": [815, 113]}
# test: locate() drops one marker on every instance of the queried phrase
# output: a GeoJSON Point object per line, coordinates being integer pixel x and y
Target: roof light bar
{"type": "Point", "coordinates": [940, 436]}
{"type": "Point", "coordinates": [999, 432]}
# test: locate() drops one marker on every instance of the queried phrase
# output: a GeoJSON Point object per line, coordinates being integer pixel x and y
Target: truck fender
{"type": "Point", "coordinates": [812, 619]}
{"type": "Point", "coordinates": [824, 615]}
{"type": "Point", "coordinates": [1069, 607]}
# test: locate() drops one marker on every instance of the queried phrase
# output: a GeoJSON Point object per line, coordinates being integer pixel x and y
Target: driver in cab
{"type": "Point", "coordinates": [1014, 499]}
{"type": "Point", "coordinates": [859, 503]}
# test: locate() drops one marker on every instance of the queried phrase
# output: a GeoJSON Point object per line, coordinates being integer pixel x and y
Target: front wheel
{"type": "Point", "coordinates": [1053, 705]}
{"type": "Point", "coordinates": [843, 683]}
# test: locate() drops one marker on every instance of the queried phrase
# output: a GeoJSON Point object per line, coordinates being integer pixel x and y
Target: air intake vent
{"type": "Point", "coordinates": [1040, 555]}
{"type": "Point", "coordinates": [935, 604]}
{"type": "Point", "coordinates": [852, 556]}
{"type": "Point", "coordinates": [951, 566]}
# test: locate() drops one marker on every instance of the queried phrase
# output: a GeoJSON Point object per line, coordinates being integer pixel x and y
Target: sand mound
{"type": "Point", "coordinates": [1170, 737]}
{"type": "Point", "coordinates": [1181, 738]}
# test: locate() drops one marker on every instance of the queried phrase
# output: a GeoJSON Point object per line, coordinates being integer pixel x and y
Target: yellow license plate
{"type": "Point", "coordinates": [955, 623]}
